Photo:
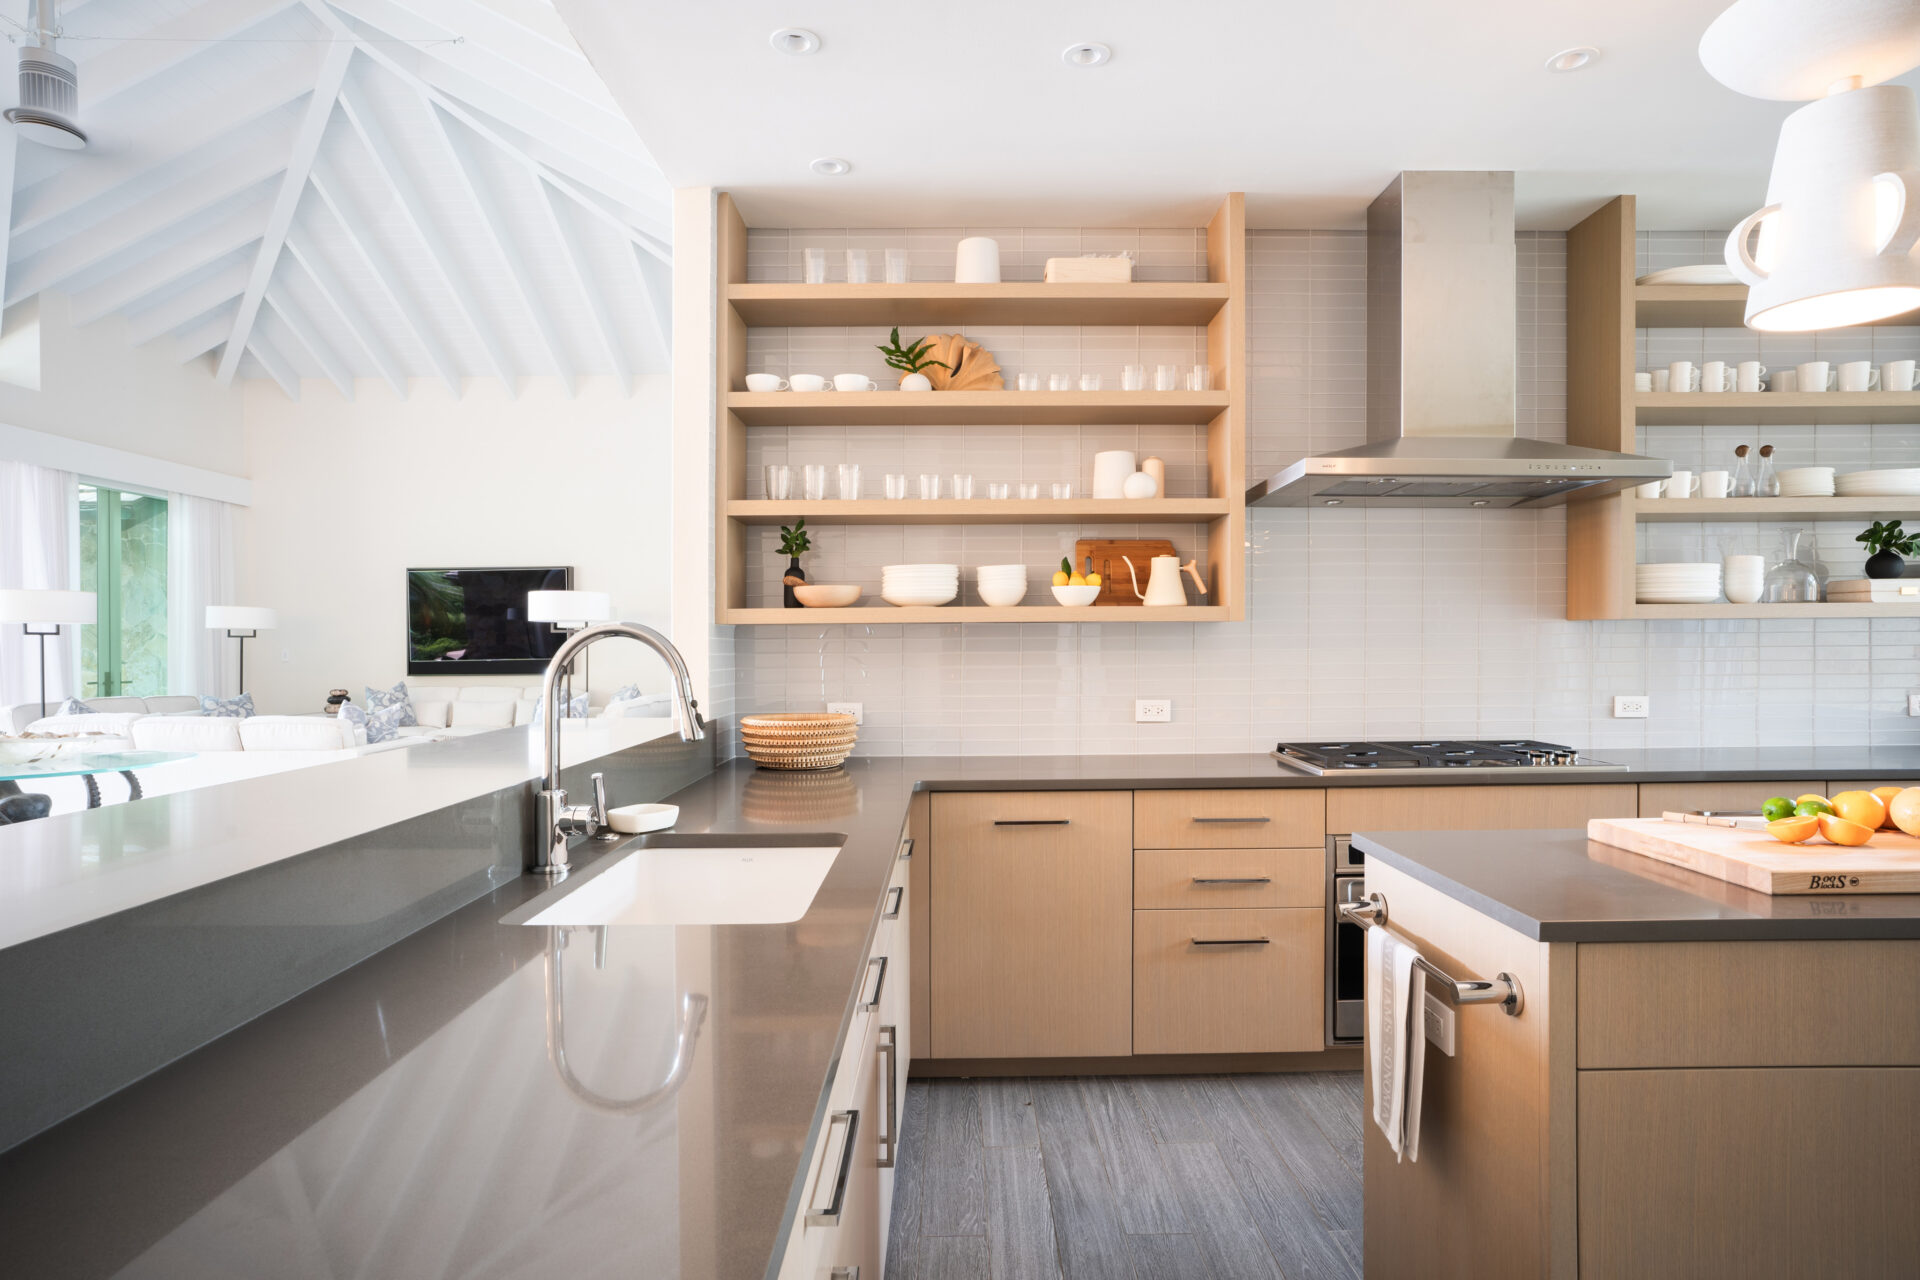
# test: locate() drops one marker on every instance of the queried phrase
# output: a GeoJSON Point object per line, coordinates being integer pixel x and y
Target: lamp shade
{"type": "Point", "coordinates": [240, 617]}
{"type": "Point", "coordinates": [48, 607]}
{"type": "Point", "coordinates": [569, 608]}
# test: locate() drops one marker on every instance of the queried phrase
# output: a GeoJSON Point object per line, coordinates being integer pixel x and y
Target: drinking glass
{"type": "Point", "coordinates": [815, 261]}
{"type": "Point", "coordinates": [1029, 382]}
{"type": "Point", "coordinates": [1166, 377]}
{"type": "Point", "coordinates": [962, 485]}
{"type": "Point", "coordinates": [997, 491]}
{"type": "Point", "coordinates": [896, 266]}
{"type": "Point", "coordinates": [929, 487]}
{"type": "Point", "coordinates": [1200, 378]}
{"type": "Point", "coordinates": [849, 481]}
{"type": "Point", "coordinates": [1060, 382]}
{"type": "Point", "coordinates": [814, 476]}
{"type": "Point", "coordinates": [1029, 491]}
{"type": "Point", "coordinates": [856, 266]}
{"type": "Point", "coordinates": [779, 481]}
{"type": "Point", "coordinates": [1133, 378]}
{"type": "Point", "coordinates": [1062, 490]}
{"type": "Point", "coordinates": [1089, 382]}
{"type": "Point", "coordinates": [896, 486]}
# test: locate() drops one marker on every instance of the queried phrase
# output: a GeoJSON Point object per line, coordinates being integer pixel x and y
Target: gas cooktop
{"type": "Point", "coordinates": [1436, 756]}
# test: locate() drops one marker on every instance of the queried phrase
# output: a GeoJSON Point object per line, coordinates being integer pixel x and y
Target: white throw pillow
{"type": "Point", "coordinates": [432, 715]}
{"type": "Point", "coordinates": [173, 704]}
{"type": "Point", "coordinates": [292, 733]}
{"type": "Point", "coordinates": [486, 715]}
{"type": "Point", "coordinates": [524, 708]}
{"type": "Point", "coordinates": [112, 722]}
{"type": "Point", "coordinates": [648, 705]}
{"type": "Point", "coordinates": [188, 733]}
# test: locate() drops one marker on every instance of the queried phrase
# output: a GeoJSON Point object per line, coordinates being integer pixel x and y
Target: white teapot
{"type": "Point", "coordinates": [1164, 589]}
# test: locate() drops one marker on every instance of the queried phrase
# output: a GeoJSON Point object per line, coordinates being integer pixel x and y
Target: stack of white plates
{"type": "Point", "coordinates": [919, 584]}
{"type": "Point", "coordinates": [1807, 482]}
{"type": "Point", "coordinates": [1679, 583]}
{"type": "Point", "coordinates": [1002, 585]}
{"type": "Point", "coordinates": [1902, 482]}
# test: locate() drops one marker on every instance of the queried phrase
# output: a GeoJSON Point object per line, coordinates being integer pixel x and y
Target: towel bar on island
{"type": "Point", "coordinates": [1504, 990]}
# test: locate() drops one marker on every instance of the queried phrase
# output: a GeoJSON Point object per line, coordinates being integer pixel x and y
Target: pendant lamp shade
{"type": "Point", "coordinates": [570, 609]}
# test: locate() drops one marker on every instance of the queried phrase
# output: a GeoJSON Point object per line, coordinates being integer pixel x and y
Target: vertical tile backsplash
{"type": "Point", "coordinates": [1378, 623]}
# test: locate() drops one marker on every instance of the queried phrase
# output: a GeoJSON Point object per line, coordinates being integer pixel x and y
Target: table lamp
{"type": "Point", "coordinates": [568, 611]}
{"type": "Point", "coordinates": [241, 622]}
{"type": "Point", "coordinates": [42, 614]}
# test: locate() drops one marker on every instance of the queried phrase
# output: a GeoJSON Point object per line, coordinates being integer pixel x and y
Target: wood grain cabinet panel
{"type": "Point", "coordinates": [1032, 909]}
{"type": "Point", "coordinates": [1471, 808]}
{"type": "Point", "coordinates": [1228, 818]}
{"type": "Point", "coordinates": [1229, 981]}
{"type": "Point", "coordinates": [1657, 798]}
{"type": "Point", "coordinates": [1203, 879]}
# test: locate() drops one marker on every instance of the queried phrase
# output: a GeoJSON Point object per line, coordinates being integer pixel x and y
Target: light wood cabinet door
{"type": "Point", "coordinates": [1215, 879]}
{"type": "Point", "coordinates": [1472, 808]}
{"type": "Point", "coordinates": [1657, 798]}
{"type": "Point", "coordinates": [1032, 909]}
{"type": "Point", "coordinates": [1229, 981]}
{"type": "Point", "coordinates": [1229, 818]}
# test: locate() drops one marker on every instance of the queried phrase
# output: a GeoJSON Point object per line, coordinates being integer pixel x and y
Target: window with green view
{"type": "Point", "coordinates": [123, 560]}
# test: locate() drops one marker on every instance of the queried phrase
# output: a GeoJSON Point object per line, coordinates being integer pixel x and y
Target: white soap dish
{"type": "Point", "coordinates": [632, 819]}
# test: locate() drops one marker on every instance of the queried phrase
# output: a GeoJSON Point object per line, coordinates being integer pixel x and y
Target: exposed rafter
{"type": "Point", "coordinates": [348, 313]}
{"type": "Point", "coordinates": [316, 346]}
{"type": "Point", "coordinates": [277, 369]}
{"type": "Point", "coordinates": [128, 64]}
{"type": "Point", "coordinates": [187, 304]}
{"type": "Point", "coordinates": [583, 279]}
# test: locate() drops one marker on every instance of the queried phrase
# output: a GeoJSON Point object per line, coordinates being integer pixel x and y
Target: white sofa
{"type": "Point", "coordinates": [475, 708]}
{"type": "Point", "coordinates": [22, 714]}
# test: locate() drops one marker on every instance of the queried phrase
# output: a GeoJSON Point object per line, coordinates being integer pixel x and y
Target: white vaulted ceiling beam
{"type": "Point", "coordinates": [306, 145]}
{"type": "Point", "coordinates": [171, 263]}
{"type": "Point", "coordinates": [400, 181]}
{"type": "Point", "coordinates": [656, 287]}
{"type": "Point", "coordinates": [474, 185]}
{"type": "Point", "coordinates": [277, 368]}
{"type": "Point", "coordinates": [347, 311]}
{"type": "Point", "coordinates": [135, 59]}
{"type": "Point", "coordinates": [203, 336]}
{"type": "Point", "coordinates": [561, 222]}
{"type": "Point", "coordinates": [307, 336]}
{"type": "Point", "coordinates": [170, 313]}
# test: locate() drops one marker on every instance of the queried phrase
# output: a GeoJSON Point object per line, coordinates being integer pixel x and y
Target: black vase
{"type": "Point", "coordinates": [793, 571]}
{"type": "Point", "coordinates": [1886, 564]}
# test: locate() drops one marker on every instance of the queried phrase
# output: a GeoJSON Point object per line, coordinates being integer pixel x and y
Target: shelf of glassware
{"type": "Point", "coordinates": [966, 408]}
{"type": "Point", "coordinates": [875, 612]}
{"type": "Point", "coordinates": [1768, 510]}
{"type": "Point", "coordinates": [1014, 302]}
{"type": "Point", "coordinates": [1706, 306]}
{"type": "Point", "coordinates": [1707, 612]}
{"type": "Point", "coordinates": [1774, 408]}
{"type": "Point", "coordinates": [982, 511]}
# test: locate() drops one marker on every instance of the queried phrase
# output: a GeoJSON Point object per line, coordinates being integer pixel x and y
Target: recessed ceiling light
{"type": "Point", "coordinates": [1089, 54]}
{"type": "Point", "coordinates": [831, 166]}
{"type": "Point", "coordinates": [1572, 59]}
{"type": "Point", "coordinates": [794, 40]}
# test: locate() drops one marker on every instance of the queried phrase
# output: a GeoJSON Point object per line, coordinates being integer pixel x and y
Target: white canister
{"type": "Point", "coordinates": [1110, 471]}
{"type": "Point", "coordinates": [977, 261]}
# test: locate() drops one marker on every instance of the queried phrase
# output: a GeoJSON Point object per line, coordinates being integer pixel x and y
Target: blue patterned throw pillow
{"type": "Point", "coordinates": [576, 709]}
{"type": "Point", "coordinates": [380, 724]}
{"type": "Point", "coordinates": [238, 708]}
{"type": "Point", "coordinates": [75, 707]}
{"type": "Point", "coordinates": [394, 697]}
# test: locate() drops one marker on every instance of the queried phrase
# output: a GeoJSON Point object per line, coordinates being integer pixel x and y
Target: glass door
{"type": "Point", "coordinates": [123, 560]}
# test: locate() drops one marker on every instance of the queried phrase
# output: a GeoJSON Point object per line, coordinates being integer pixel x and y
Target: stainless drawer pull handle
{"type": "Point", "coordinates": [1233, 819]}
{"type": "Point", "coordinates": [890, 1051]}
{"type": "Point", "coordinates": [1231, 942]}
{"type": "Point", "coordinates": [844, 1273]}
{"type": "Point", "coordinates": [1031, 822]}
{"type": "Point", "coordinates": [906, 847]}
{"type": "Point", "coordinates": [1233, 879]}
{"type": "Point", "coordinates": [878, 967]}
{"type": "Point", "coordinates": [892, 912]}
{"type": "Point", "coordinates": [828, 1215]}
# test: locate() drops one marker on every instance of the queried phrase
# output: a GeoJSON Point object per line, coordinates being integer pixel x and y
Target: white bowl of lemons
{"type": "Point", "coordinates": [1073, 589]}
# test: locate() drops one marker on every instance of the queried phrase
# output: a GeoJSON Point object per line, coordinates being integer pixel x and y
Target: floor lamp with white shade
{"type": "Point", "coordinates": [42, 614]}
{"type": "Point", "coordinates": [567, 611]}
{"type": "Point", "coordinates": [241, 622]}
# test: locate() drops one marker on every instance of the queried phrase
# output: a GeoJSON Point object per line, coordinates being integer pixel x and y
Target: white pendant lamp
{"type": "Point", "coordinates": [1835, 239]}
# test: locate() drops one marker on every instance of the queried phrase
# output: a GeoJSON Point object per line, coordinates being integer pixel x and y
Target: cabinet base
{"type": "Point", "coordinates": [1338, 1058]}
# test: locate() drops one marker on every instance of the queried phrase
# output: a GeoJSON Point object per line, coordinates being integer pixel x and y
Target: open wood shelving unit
{"type": "Point", "coordinates": [1604, 308]}
{"type": "Point", "coordinates": [1219, 304]}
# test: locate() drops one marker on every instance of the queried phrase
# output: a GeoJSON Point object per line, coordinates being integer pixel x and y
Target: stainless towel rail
{"type": "Point", "coordinates": [1504, 990]}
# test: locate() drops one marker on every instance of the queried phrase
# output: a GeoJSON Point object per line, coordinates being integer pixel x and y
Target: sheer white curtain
{"type": "Point", "coordinates": [199, 573]}
{"type": "Point", "coordinates": [39, 509]}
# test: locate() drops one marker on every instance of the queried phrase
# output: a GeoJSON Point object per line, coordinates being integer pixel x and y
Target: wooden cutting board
{"type": "Point", "coordinates": [1755, 860]}
{"type": "Point", "coordinates": [1115, 586]}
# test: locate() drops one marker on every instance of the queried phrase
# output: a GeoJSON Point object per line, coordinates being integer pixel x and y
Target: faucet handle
{"type": "Point", "coordinates": [605, 831]}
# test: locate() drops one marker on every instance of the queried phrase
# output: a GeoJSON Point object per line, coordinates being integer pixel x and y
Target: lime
{"type": "Point", "coordinates": [1776, 808]}
{"type": "Point", "coordinates": [1812, 808]}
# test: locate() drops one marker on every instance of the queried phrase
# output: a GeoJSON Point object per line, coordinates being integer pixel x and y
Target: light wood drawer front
{"type": "Point", "coordinates": [1471, 808]}
{"type": "Point", "coordinates": [1234, 996]}
{"type": "Point", "coordinates": [1228, 819]}
{"type": "Point", "coordinates": [1749, 1004]}
{"type": "Point", "coordinates": [1209, 879]}
{"type": "Point", "coordinates": [1657, 798]}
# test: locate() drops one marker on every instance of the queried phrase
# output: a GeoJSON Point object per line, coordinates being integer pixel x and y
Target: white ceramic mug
{"type": "Point", "coordinates": [977, 261]}
{"type": "Point", "coordinates": [1682, 376]}
{"type": "Point", "coordinates": [854, 382]}
{"type": "Point", "coordinates": [1856, 375]}
{"type": "Point", "coordinates": [1713, 484]}
{"type": "Point", "coordinates": [1643, 382]}
{"type": "Point", "coordinates": [1651, 489]}
{"type": "Point", "coordinates": [1660, 378]}
{"type": "Point", "coordinates": [766, 382]}
{"type": "Point", "coordinates": [1743, 577]}
{"type": "Point", "coordinates": [1716, 376]}
{"type": "Point", "coordinates": [807, 382]}
{"type": "Point", "coordinates": [1784, 380]}
{"type": "Point", "coordinates": [1682, 484]}
{"type": "Point", "coordinates": [1816, 375]}
{"type": "Point", "coordinates": [1896, 375]}
{"type": "Point", "coordinates": [1747, 375]}
{"type": "Point", "coordinates": [1111, 467]}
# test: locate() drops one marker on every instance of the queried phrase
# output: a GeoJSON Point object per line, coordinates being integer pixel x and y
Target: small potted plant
{"type": "Point", "coordinates": [794, 543]}
{"type": "Point", "coordinates": [910, 361]}
{"type": "Point", "coordinates": [1890, 544]}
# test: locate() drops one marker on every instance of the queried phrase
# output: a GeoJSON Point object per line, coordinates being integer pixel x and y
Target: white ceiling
{"type": "Point", "coordinates": [966, 115]}
{"type": "Point", "coordinates": [340, 189]}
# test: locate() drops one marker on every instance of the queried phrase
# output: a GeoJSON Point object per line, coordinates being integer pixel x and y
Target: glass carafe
{"type": "Point", "coordinates": [1808, 553]}
{"type": "Point", "coordinates": [1789, 580]}
{"type": "Point", "coordinates": [1742, 484]}
{"type": "Point", "coordinates": [1767, 483]}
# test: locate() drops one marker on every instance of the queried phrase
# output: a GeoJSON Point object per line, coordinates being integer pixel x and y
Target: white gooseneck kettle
{"type": "Point", "coordinates": [1164, 589]}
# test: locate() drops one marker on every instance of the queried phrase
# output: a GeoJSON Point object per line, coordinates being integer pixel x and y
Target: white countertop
{"type": "Point", "coordinates": [65, 870]}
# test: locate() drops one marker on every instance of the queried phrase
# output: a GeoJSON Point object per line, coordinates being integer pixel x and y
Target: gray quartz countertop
{"type": "Point", "coordinates": [1558, 886]}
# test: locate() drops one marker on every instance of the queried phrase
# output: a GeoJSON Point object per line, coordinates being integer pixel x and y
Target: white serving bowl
{"type": "Point", "coordinates": [1001, 595]}
{"type": "Point", "coordinates": [1075, 597]}
{"type": "Point", "coordinates": [919, 597]}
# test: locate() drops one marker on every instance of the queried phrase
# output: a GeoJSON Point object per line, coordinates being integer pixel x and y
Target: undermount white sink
{"type": "Point", "coordinates": [695, 880]}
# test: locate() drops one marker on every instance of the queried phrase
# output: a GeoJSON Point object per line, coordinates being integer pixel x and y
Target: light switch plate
{"type": "Point", "coordinates": [1913, 704]}
{"type": "Point", "coordinates": [1439, 1021]}
{"type": "Point", "coordinates": [1632, 706]}
{"type": "Point", "coordinates": [1152, 710]}
{"type": "Point", "coordinates": [849, 709]}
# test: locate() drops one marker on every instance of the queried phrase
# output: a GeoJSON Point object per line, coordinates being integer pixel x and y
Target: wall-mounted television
{"type": "Point", "coordinates": [474, 621]}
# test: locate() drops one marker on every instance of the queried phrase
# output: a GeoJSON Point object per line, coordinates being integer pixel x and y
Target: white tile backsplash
{"type": "Point", "coordinates": [1382, 623]}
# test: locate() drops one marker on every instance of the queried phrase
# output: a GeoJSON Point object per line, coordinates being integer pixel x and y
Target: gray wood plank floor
{"type": "Point", "coordinates": [1129, 1178]}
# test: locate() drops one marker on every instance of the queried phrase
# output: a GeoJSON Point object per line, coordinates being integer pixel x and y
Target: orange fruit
{"type": "Point", "coordinates": [1886, 795]}
{"type": "Point", "coordinates": [1811, 795]}
{"type": "Point", "coordinates": [1842, 831]}
{"type": "Point", "coordinates": [1863, 807]}
{"type": "Point", "coordinates": [1904, 810]}
{"type": "Point", "coordinates": [1793, 830]}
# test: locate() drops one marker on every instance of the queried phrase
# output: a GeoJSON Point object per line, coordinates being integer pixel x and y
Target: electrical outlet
{"type": "Point", "coordinates": [849, 709]}
{"type": "Point", "coordinates": [1152, 710]}
{"type": "Point", "coordinates": [1632, 706]}
{"type": "Point", "coordinates": [286, 655]}
{"type": "Point", "coordinates": [1913, 704]}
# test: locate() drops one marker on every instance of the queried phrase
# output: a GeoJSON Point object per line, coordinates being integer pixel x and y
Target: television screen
{"type": "Point", "coordinates": [474, 621]}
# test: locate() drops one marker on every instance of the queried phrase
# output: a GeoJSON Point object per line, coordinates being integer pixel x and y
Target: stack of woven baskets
{"type": "Point", "coordinates": [800, 740]}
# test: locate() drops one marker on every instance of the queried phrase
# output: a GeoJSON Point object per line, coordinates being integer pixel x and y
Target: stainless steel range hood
{"type": "Point", "coordinates": [1442, 299]}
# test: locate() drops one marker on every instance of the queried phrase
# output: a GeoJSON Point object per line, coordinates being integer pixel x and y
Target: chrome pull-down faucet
{"type": "Point", "coordinates": [555, 819]}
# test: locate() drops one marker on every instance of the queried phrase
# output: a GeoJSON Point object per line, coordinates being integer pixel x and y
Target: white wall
{"type": "Point", "coordinates": [347, 496]}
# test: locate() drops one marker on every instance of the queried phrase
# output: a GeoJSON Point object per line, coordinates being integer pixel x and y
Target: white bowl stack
{"type": "Point", "coordinates": [910, 585]}
{"type": "Point", "coordinates": [1677, 583]}
{"type": "Point", "coordinates": [1001, 585]}
{"type": "Point", "coordinates": [1901, 482]}
{"type": "Point", "coordinates": [1807, 482]}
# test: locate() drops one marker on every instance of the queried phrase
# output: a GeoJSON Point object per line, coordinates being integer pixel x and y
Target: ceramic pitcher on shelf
{"type": "Point", "coordinates": [1164, 589]}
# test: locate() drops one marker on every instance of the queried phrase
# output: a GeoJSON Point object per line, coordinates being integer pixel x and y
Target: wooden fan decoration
{"type": "Point", "coordinates": [969, 366]}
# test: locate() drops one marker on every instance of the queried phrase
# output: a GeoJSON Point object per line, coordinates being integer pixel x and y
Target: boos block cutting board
{"type": "Point", "coordinates": [1116, 586]}
{"type": "Point", "coordinates": [1755, 860]}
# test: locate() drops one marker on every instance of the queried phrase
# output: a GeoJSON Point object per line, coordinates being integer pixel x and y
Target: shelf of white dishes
{"type": "Point", "coordinates": [963, 408]}
{"type": "Point", "coordinates": [1681, 612]}
{"type": "Point", "coordinates": [981, 510]}
{"type": "Point", "coordinates": [1774, 408]}
{"type": "Point", "coordinates": [874, 612]}
{"type": "Point", "coordinates": [931, 303]}
{"type": "Point", "coordinates": [1705, 306]}
{"type": "Point", "coordinates": [1754, 510]}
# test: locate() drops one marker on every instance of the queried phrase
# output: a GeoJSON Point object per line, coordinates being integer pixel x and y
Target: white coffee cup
{"type": "Point", "coordinates": [1743, 578]}
{"type": "Point", "coordinates": [1643, 382]}
{"type": "Point", "coordinates": [1713, 484]}
{"type": "Point", "coordinates": [1747, 375]}
{"type": "Point", "coordinates": [1896, 375]}
{"type": "Point", "coordinates": [1716, 376]}
{"type": "Point", "coordinates": [1816, 375]}
{"type": "Point", "coordinates": [1651, 489]}
{"type": "Point", "coordinates": [1784, 380]}
{"type": "Point", "coordinates": [807, 382]}
{"type": "Point", "coordinates": [1682, 376]}
{"type": "Point", "coordinates": [766, 382]}
{"type": "Point", "coordinates": [1661, 379]}
{"type": "Point", "coordinates": [854, 382]}
{"type": "Point", "coordinates": [1856, 375]}
{"type": "Point", "coordinates": [1683, 484]}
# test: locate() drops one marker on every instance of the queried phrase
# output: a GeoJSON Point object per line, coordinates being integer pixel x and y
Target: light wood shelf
{"type": "Point", "coordinates": [1775, 408]}
{"type": "Point", "coordinates": [1756, 510]}
{"type": "Point", "coordinates": [874, 612]}
{"type": "Point", "coordinates": [981, 511]}
{"type": "Point", "coordinates": [975, 304]}
{"type": "Point", "coordinates": [963, 408]}
{"type": "Point", "coordinates": [1706, 306]}
{"type": "Point", "coordinates": [1672, 612]}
